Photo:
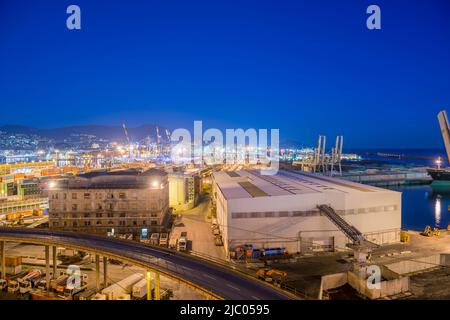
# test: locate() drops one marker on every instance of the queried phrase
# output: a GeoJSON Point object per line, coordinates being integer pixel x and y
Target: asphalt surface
{"type": "Point", "coordinates": [219, 280]}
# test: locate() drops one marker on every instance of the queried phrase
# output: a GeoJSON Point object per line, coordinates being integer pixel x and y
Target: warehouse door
{"type": "Point", "coordinates": [310, 245]}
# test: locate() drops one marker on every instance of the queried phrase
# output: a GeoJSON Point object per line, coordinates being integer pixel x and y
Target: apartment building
{"type": "Point", "coordinates": [110, 202]}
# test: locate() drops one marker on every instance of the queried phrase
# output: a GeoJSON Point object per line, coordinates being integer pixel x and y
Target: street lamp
{"type": "Point", "coordinates": [438, 163]}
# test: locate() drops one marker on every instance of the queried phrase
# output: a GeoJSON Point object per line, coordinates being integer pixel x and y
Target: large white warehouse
{"type": "Point", "coordinates": [281, 210]}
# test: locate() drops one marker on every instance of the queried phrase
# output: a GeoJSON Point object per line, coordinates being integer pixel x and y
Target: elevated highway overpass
{"type": "Point", "coordinates": [215, 280]}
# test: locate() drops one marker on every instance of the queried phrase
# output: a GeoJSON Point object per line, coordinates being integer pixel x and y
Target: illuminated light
{"type": "Point", "coordinates": [52, 184]}
{"type": "Point", "coordinates": [155, 184]}
{"type": "Point", "coordinates": [437, 212]}
{"type": "Point", "coordinates": [438, 163]}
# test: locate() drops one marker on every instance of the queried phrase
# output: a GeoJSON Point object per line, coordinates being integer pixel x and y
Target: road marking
{"type": "Point", "coordinates": [208, 276]}
{"type": "Point", "coordinates": [256, 298]}
{"type": "Point", "coordinates": [233, 287]}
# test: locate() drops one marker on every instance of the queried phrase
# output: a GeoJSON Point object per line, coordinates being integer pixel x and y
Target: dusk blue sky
{"type": "Point", "coordinates": [307, 67]}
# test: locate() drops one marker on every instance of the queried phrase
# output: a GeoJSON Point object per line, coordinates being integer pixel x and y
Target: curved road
{"type": "Point", "coordinates": [212, 278]}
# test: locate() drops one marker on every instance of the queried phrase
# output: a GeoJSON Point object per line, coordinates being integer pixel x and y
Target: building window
{"type": "Point", "coordinates": [134, 223]}
{"type": "Point", "coordinates": [110, 222]}
{"type": "Point", "coordinates": [87, 195]}
{"type": "Point", "coordinates": [122, 215]}
{"type": "Point", "coordinates": [99, 206]}
{"type": "Point", "coordinates": [74, 216]}
{"type": "Point", "coordinates": [87, 215]}
{"type": "Point", "coordinates": [144, 223]}
{"type": "Point", "coordinates": [99, 222]}
{"type": "Point", "coordinates": [122, 195]}
{"type": "Point", "coordinates": [75, 224]}
{"type": "Point", "coordinates": [98, 215]}
{"type": "Point", "coordinates": [74, 207]}
{"type": "Point", "coordinates": [110, 215]}
{"type": "Point", "coordinates": [74, 196]}
{"type": "Point", "coordinates": [55, 224]}
{"type": "Point", "coordinates": [154, 223]}
{"type": "Point", "coordinates": [121, 223]}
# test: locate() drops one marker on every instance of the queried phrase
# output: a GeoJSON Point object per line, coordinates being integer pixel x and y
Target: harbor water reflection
{"type": "Point", "coordinates": [424, 205]}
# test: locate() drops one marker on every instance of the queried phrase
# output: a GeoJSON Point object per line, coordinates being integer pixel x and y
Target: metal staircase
{"type": "Point", "coordinates": [350, 231]}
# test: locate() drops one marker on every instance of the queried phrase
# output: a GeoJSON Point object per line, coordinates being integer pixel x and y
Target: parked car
{"type": "Point", "coordinates": [154, 239]}
{"type": "Point", "coordinates": [182, 244]}
{"type": "Point", "coordinates": [163, 239]}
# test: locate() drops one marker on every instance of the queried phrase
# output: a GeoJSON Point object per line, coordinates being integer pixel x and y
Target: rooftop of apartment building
{"type": "Point", "coordinates": [117, 179]}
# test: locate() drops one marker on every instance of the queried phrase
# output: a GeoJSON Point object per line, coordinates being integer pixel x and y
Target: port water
{"type": "Point", "coordinates": [424, 205]}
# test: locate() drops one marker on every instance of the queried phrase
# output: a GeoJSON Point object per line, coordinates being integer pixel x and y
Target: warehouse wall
{"type": "Point", "coordinates": [376, 214]}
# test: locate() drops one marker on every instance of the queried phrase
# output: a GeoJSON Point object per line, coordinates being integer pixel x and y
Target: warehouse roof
{"type": "Point", "coordinates": [250, 184]}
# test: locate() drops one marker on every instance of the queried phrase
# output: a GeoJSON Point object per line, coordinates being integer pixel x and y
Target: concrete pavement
{"type": "Point", "coordinates": [199, 230]}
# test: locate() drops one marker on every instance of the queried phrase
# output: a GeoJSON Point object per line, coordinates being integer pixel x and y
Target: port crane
{"type": "Point", "coordinates": [324, 162]}
{"type": "Point", "coordinates": [128, 140]}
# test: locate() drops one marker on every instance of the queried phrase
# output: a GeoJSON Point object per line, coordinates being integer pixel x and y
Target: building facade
{"type": "Point", "coordinates": [184, 190]}
{"type": "Point", "coordinates": [281, 211]}
{"type": "Point", "coordinates": [110, 203]}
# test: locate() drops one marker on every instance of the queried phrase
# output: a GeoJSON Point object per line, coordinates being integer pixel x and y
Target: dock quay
{"type": "Point", "coordinates": [389, 177]}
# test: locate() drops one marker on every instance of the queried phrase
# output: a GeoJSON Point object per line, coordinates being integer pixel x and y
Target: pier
{"type": "Point", "coordinates": [390, 177]}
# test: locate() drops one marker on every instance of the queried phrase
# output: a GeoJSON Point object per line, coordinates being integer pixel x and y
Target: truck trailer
{"type": "Point", "coordinates": [124, 286]}
{"type": "Point", "coordinates": [140, 289]}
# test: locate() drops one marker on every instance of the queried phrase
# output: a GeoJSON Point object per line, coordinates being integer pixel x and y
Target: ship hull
{"type": "Point", "coordinates": [439, 175]}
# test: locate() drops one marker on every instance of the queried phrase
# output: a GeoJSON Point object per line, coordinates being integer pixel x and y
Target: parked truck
{"type": "Point", "coordinates": [63, 285]}
{"type": "Point", "coordinates": [72, 289]}
{"type": "Point", "coordinates": [124, 286]}
{"type": "Point", "coordinates": [154, 238]}
{"type": "Point", "coordinates": [182, 244]}
{"type": "Point", "coordinates": [42, 284]}
{"type": "Point", "coordinates": [84, 295]}
{"type": "Point", "coordinates": [3, 284]}
{"type": "Point", "coordinates": [173, 243]}
{"type": "Point", "coordinates": [140, 289]}
{"type": "Point", "coordinates": [29, 281]}
{"type": "Point", "coordinates": [163, 239]}
{"type": "Point", "coordinates": [13, 286]}
{"type": "Point", "coordinates": [60, 281]}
